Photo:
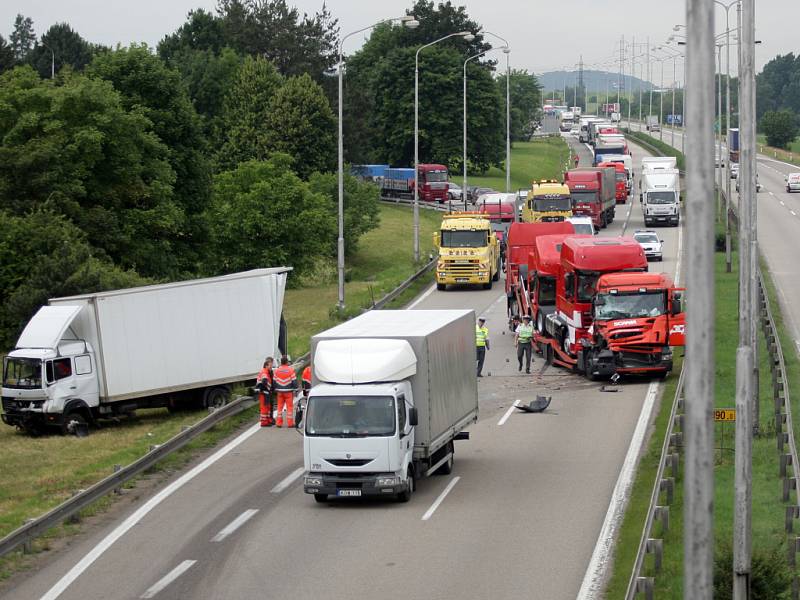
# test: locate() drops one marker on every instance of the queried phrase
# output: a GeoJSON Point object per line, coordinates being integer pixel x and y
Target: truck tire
{"type": "Point", "coordinates": [540, 322]}
{"type": "Point", "coordinates": [447, 467]}
{"type": "Point", "coordinates": [441, 286]}
{"type": "Point", "coordinates": [321, 498]}
{"type": "Point", "coordinates": [405, 495]}
{"type": "Point", "coordinates": [497, 272]}
{"type": "Point", "coordinates": [216, 397]}
{"type": "Point", "coordinates": [75, 423]}
{"type": "Point", "coordinates": [603, 222]}
{"type": "Point", "coordinates": [488, 285]}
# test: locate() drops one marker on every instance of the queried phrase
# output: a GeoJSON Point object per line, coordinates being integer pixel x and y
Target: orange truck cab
{"type": "Point", "coordinates": [520, 243]}
{"type": "Point", "coordinates": [637, 319]}
{"type": "Point", "coordinates": [621, 179]}
{"type": "Point", "coordinates": [582, 262]}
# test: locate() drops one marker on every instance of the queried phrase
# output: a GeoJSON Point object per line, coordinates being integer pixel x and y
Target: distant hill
{"type": "Point", "coordinates": [595, 81]}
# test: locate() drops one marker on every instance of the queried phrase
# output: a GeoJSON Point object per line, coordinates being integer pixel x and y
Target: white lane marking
{"type": "Point", "coordinates": [288, 480]}
{"type": "Point", "coordinates": [441, 497]}
{"type": "Point", "coordinates": [95, 553]}
{"type": "Point", "coordinates": [504, 418]}
{"type": "Point", "coordinates": [797, 345]}
{"type": "Point", "coordinates": [168, 578]}
{"type": "Point", "coordinates": [235, 524]}
{"type": "Point", "coordinates": [782, 203]}
{"type": "Point", "coordinates": [680, 255]}
{"type": "Point", "coordinates": [598, 565]}
{"type": "Point", "coordinates": [771, 194]}
{"type": "Point", "coordinates": [794, 214]}
{"type": "Point", "coordinates": [427, 293]}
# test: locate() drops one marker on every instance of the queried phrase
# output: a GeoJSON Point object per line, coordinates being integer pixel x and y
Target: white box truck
{"type": "Point", "coordinates": [87, 357]}
{"type": "Point", "coordinates": [661, 196]}
{"type": "Point", "coordinates": [653, 123]}
{"type": "Point", "coordinates": [392, 391]}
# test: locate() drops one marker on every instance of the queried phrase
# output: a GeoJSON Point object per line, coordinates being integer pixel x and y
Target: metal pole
{"type": "Point", "coordinates": [661, 104]}
{"type": "Point", "coordinates": [683, 110]}
{"type": "Point", "coordinates": [718, 171]}
{"type": "Point", "coordinates": [508, 119]}
{"type": "Point", "coordinates": [641, 70]}
{"type": "Point", "coordinates": [416, 157]}
{"type": "Point", "coordinates": [649, 79]}
{"type": "Point", "coordinates": [340, 239]}
{"type": "Point", "coordinates": [699, 383]}
{"type": "Point", "coordinates": [674, 84]}
{"type": "Point", "coordinates": [728, 267]}
{"type": "Point", "coordinates": [633, 74]}
{"type": "Point", "coordinates": [464, 186]}
{"type": "Point", "coordinates": [743, 468]}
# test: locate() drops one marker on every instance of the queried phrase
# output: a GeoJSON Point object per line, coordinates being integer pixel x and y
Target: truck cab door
{"type": "Point", "coordinates": [677, 319]}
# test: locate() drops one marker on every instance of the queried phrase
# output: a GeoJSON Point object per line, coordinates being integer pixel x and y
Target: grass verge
{"type": "Point", "coordinates": [790, 155]}
{"type": "Point", "coordinates": [664, 148]}
{"type": "Point", "coordinates": [541, 158]}
{"type": "Point", "coordinates": [767, 513]}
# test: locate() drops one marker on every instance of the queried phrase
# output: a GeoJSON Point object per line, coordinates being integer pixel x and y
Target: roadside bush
{"type": "Point", "coordinates": [770, 577]}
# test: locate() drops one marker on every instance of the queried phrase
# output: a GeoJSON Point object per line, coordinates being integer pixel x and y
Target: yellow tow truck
{"type": "Point", "coordinates": [469, 252]}
{"type": "Point", "coordinates": [548, 201]}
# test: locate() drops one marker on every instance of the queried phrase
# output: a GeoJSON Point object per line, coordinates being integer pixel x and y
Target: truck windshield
{"type": "Point", "coordinates": [547, 291]}
{"type": "Point", "coordinates": [464, 239]}
{"type": "Point", "coordinates": [621, 176]}
{"type": "Point", "coordinates": [350, 416]}
{"type": "Point", "coordinates": [583, 197]}
{"type": "Point", "coordinates": [22, 373]}
{"type": "Point", "coordinates": [661, 197]}
{"type": "Point", "coordinates": [549, 203]}
{"type": "Point", "coordinates": [630, 306]}
{"type": "Point", "coordinates": [586, 285]}
{"type": "Point", "coordinates": [435, 176]}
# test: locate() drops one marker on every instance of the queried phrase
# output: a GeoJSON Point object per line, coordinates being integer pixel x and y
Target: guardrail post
{"type": "Point", "coordinates": [671, 461]}
{"type": "Point", "coordinates": [789, 484]}
{"type": "Point", "coordinates": [117, 469]}
{"type": "Point", "coordinates": [792, 512]}
{"type": "Point", "coordinates": [76, 516]}
{"type": "Point", "coordinates": [792, 547]}
{"type": "Point", "coordinates": [646, 586]}
{"type": "Point", "coordinates": [668, 485]}
{"type": "Point", "coordinates": [27, 545]}
{"type": "Point", "coordinates": [662, 514]}
{"type": "Point", "coordinates": [655, 546]}
{"type": "Point", "coordinates": [785, 460]}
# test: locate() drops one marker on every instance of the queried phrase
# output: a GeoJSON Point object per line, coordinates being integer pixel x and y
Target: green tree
{"type": "Point", "coordinates": [245, 112]}
{"type": "Point", "coordinates": [263, 215]}
{"type": "Point", "coordinates": [778, 85]}
{"type": "Point", "coordinates": [148, 86]}
{"type": "Point", "coordinates": [42, 255]}
{"type": "Point", "coordinates": [525, 101]}
{"type": "Point", "coordinates": [780, 127]}
{"type": "Point", "coordinates": [361, 205]}
{"type": "Point", "coordinates": [74, 148]}
{"type": "Point", "coordinates": [68, 48]}
{"type": "Point", "coordinates": [300, 123]}
{"type": "Point", "coordinates": [22, 38]}
{"type": "Point", "coordinates": [6, 55]}
{"type": "Point", "coordinates": [202, 31]}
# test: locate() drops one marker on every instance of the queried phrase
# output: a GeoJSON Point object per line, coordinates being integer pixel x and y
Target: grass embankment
{"type": "Point", "coordinates": [663, 147]}
{"type": "Point", "coordinates": [790, 154]}
{"type": "Point", "coordinates": [541, 158]}
{"type": "Point", "coordinates": [767, 514]}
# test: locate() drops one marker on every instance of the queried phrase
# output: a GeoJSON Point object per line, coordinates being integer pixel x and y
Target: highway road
{"type": "Point", "coordinates": [520, 515]}
{"type": "Point", "coordinates": [778, 230]}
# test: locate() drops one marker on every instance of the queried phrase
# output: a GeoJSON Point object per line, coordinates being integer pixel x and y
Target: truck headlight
{"type": "Point", "coordinates": [387, 481]}
{"type": "Point", "coordinates": [313, 480]}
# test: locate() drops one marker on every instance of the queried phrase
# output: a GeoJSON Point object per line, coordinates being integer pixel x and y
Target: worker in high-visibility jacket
{"type": "Point", "coordinates": [284, 381]}
{"type": "Point", "coordinates": [481, 343]}
{"type": "Point", "coordinates": [305, 384]}
{"type": "Point", "coordinates": [264, 387]}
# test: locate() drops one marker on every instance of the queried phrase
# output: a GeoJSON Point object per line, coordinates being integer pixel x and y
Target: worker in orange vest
{"type": "Point", "coordinates": [284, 381]}
{"type": "Point", "coordinates": [264, 387]}
{"type": "Point", "coordinates": [305, 382]}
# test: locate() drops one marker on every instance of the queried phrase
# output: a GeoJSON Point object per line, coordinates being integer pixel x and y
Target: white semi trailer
{"type": "Point", "coordinates": [392, 391]}
{"type": "Point", "coordinates": [83, 358]}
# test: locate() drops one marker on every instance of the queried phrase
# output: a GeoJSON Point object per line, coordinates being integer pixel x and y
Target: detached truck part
{"type": "Point", "coordinates": [102, 355]}
{"type": "Point", "coordinates": [392, 391]}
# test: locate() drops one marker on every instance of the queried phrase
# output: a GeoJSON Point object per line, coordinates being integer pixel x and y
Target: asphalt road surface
{"type": "Point", "coordinates": [519, 516]}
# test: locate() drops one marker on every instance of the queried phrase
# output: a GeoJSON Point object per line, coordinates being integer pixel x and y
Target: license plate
{"type": "Point", "coordinates": [348, 492]}
{"type": "Point", "coordinates": [462, 279]}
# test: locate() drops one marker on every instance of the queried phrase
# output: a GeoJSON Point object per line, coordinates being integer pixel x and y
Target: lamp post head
{"type": "Point", "coordinates": [467, 35]}
{"type": "Point", "coordinates": [410, 23]}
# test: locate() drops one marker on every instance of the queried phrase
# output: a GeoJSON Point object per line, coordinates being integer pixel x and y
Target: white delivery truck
{"type": "Point", "coordinates": [392, 391]}
{"type": "Point", "coordinates": [83, 358]}
{"type": "Point", "coordinates": [653, 123]}
{"type": "Point", "coordinates": [661, 196]}
{"type": "Point", "coordinates": [627, 160]}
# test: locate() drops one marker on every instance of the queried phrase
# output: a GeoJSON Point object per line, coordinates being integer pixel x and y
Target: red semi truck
{"type": "Point", "coordinates": [399, 183]}
{"type": "Point", "coordinates": [621, 176]}
{"type": "Point", "coordinates": [519, 244]}
{"type": "Point", "coordinates": [593, 192]}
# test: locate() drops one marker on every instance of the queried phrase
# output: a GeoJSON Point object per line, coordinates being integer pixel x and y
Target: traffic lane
{"type": "Point", "coordinates": [190, 517]}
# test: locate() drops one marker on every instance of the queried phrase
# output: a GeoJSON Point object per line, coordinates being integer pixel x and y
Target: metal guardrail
{"type": "Point", "coordinates": [670, 458]}
{"type": "Point", "coordinates": [448, 206]}
{"type": "Point", "coordinates": [24, 535]}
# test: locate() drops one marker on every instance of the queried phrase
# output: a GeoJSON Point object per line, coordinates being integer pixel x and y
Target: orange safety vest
{"type": "Point", "coordinates": [307, 378]}
{"type": "Point", "coordinates": [285, 379]}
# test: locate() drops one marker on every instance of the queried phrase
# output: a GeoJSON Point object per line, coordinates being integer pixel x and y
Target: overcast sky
{"type": "Point", "coordinates": [569, 29]}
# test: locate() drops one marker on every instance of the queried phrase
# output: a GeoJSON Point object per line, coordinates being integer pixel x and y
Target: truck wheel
{"type": "Point", "coordinates": [540, 322]}
{"type": "Point", "coordinates": [497, 273]}
{"type": "Point", "coordinates": [447, 467]}
{"type": "Point", "coordinates": [603, 222]}
{"type": "Point", "coordinates": [441, 286]}
{"type": "Point", "coordinates": [488, 285]}
{"type": "Point", "coordinates": [565, 345]}
{"type": "Point", "coordinates": [405, 495]}
{"type": "Point", "coordinates": [321, 498]}
{"type": "Point", "coordinates": [216, 397]}
{"type": "Point", "coordinates": [75, 424]}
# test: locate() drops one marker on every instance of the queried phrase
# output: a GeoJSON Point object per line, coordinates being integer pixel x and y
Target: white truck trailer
{"type": "Point", "coordinates": [392, 391]}
{"type": "Point", "coordinates": [88, 357]}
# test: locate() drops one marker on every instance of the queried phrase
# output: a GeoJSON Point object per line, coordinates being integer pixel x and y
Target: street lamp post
{"type": "Point", "coordinates": [468, 36]}
{"type": "Point", "coordinates": [410, 22]}
{"type": "Point", "coordinates": [52, 60]}
{"type": "Point", "coordinates": [507, 52]}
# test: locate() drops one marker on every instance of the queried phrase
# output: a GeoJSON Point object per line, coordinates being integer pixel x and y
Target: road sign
{"type": "Point", "coordinates": [724, 414]}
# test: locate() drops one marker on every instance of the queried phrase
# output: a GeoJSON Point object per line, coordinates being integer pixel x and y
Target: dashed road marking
{"type": "Point", "coordinates": [429, 513]}
{"type": "Point", "coordinates": [235, 524]}
{"type": "Point", "coordinates": [782, 203]}
{"type": "Point", "coordinates": [794, 214]}
{"type": "Point", "coordinates": [504, 418]}
{"type": "Point", "coordinates": [288, 480]}
{"type": "Point", "coordinates": [168, 578]}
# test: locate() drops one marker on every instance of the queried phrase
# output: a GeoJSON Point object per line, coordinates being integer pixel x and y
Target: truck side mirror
{"type": "Point", "coordinates": [436, 239]}
{"type": "Point", "coordinates": [676, 304]}
{"type": "Point", "coordinates": [413, 417]}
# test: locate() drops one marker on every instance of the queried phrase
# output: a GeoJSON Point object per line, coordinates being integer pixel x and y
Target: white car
{"type": "Point", "coordinates": [453, 191]}
{"type": "Point", "coordinates": [650, 243]}
{"type": "Point", "coordinates": [583, 225]}
{"type": "Point", "coordinates": [734, 170]}
{"type": "Point", "coordinates": [793, 182]}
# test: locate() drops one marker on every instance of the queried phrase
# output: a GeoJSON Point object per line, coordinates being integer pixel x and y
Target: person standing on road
{"type": "Point", "coordinates": [481, 343]}
{"type": "Point", "coordinates": [577, 160]}
{"type": "Point", "coordinates": [264, 387]}
{"type": "Point", "coordinates": [305, 383]}
{"type": "Point", "coordinates": [285, 381]}
{"type": "Point", "coordinates": [523, 339]}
